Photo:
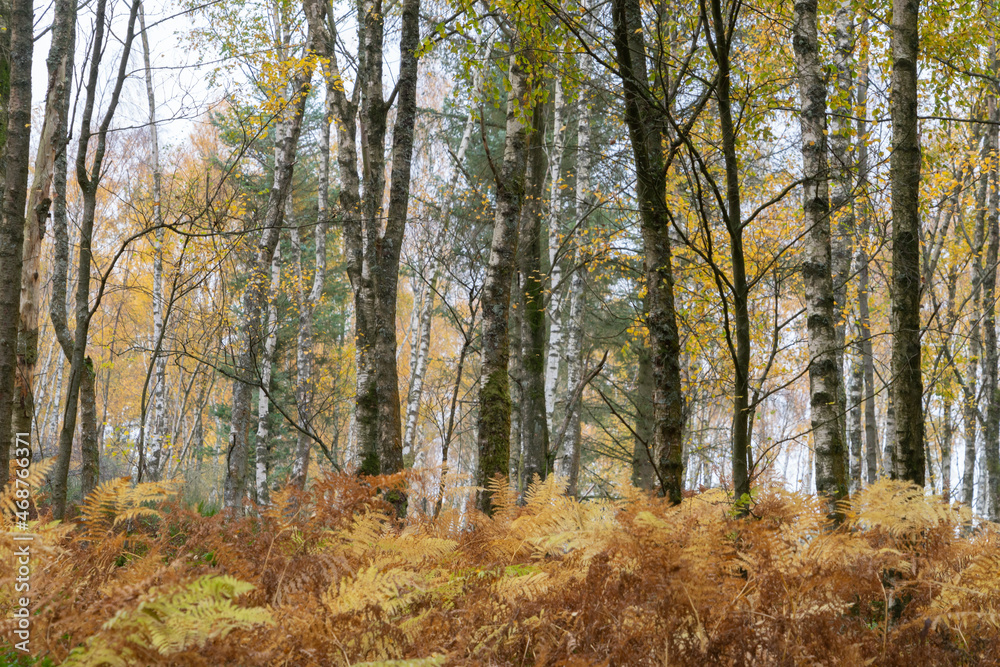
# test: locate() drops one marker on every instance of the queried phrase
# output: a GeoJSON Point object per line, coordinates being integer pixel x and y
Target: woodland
{"type": "Point", "coordinates": [549, 332]}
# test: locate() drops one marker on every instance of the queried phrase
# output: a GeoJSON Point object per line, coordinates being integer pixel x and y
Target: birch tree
{"type": "Point", "coordinates": [254, 295]}
{"type": "Point", "coordinates": [907, 383]}
{"type": "Point", "coordinates": [262, 443]}
{"type": "Point", "coordinates": [832, 478]}
{"type": "Point", "coordinates": [159, 232]}
{"type": "Point", "coordinates": [569, 444]}
{"type": "Point", "coordinates": [557, 290]}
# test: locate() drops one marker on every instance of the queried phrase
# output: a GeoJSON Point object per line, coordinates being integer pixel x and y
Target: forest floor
{"type": "Point", "coordinates": [331, 577]}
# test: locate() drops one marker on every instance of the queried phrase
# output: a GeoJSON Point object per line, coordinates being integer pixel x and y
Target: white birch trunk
{"type": "Point", "coordinates": [554, 309]}
{"type": "Point", "coordinates": [159, 421]}
{"type": "Point", "coordinates": [263, 403]}
{"type": "Point", "coordinates": [307, 302]}
{"type": "Point", "coordinates": [570, 448]}
{"type": "Point", "coordinates": [825, 370]}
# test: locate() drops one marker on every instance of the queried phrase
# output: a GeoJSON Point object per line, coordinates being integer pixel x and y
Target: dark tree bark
{"type": "Point", "coordinates": [534, 429]}
{"type": "Point", "coordinates": [668, 420]}
{"type": "Point", "coordinates": [904, 175]}
{"type": "Point", "coordinates": [90, 448]}
{"type": "Point", "coordinates": [12, 219]}
{"type": "Point", "coordinates": [51, 143]}
{"type": "Point", "coordinates": [390, 245]}
{"type": "Point", "coordinates": [377, 405]}
{"type": "Point", "coordinates": [493, 424]}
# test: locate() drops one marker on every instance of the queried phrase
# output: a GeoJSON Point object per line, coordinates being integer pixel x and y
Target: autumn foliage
{"type": "Point", "coordinates": [331, 577]}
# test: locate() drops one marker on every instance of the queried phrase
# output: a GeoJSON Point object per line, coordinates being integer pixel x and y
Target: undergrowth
{"type": "Point", "coordinates": [331, 577]}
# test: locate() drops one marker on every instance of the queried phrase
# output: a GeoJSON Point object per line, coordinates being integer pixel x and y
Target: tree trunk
{"type": "Point", "coordinates": [557, 290]}
{"type": "Point", "coordinates": [377, 405]}
{"type": "Point", "coordinates": [574, 358]}
{"type": "Point", "coordinates": [90, 449]}
{"type": "Point", "coordinates": [515, 370]}
{"type": "Point", "coordinates": [991, 429]}
{"type": "Point", "coordinates": [493, 424]}
{"type": "Point", "coordinates": [856, 385]}
{"type": "Point", "coordinates": [825, 375]}
{"type": "Point", "coordinates": [254, 295]}
{"type": "Point", "coordinates": [390, 245]}
{"type": "Point", "coordinates": [534, 426]}
{"type": "Point", "coordinates": [160, 383]}
{"type": "Point", "coordinates": [661, 320]}
{"type": "Point", "coordinates": [52, 142]}
{"type": "Point", "coordinates": [75, 345]}
{"type": "Point", "coordinates": [864, 327]}
{"type": "Point", "coordinates": [373, 129]}
{"type": "Point", "coordinates": [262, 443]}
{"type": "Point", "coordinates": [904, 175]}
{"type": "Point", "coordinates": [308, 299]}
{"type": "Point", "coordinates": [15, 166]}
{"type": "Point", "coordinates": [570, 445]}
{"type": "Point", "coordinates": [841, 190]}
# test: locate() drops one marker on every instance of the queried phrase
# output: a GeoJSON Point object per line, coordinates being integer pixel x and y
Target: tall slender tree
{"type": "Point", "coordinates": [825, 374]}
{"type": "Point", "coordinates": [159, 426]}
{"type": "Point", "coordinates": [12, 218]}
{"type": "Point", "coordinates": [493, 425]}
{"type": "Point", "coordinates": [904, 175]}
{"type": "Point", "coordinates": [75, 344]}
{"type": "Point", "coordinates": [254, 296]}
{"type": "Point", "coordinates": [666, 444]}
{"type": "Point", "coordinates": [534, 425]}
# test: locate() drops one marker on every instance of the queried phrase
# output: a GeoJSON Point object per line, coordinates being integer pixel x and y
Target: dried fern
{"type": "Point", "coordinates": [172, 621]}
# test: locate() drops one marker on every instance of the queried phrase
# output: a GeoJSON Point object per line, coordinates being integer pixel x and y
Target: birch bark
{"type": "Point", "coordinates": [825, 375]}
{"type": "Point", "coordinates": [254, 296]}
{"type": "Point", "coordinates": [904, 176]}
{"type": "Point", "coordinates": [159, 429]}
{"type": "Point", "coordinates": [262, 443]}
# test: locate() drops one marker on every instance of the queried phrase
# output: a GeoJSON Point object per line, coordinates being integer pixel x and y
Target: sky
{"type": "Point", "coordinates": [180, 86]}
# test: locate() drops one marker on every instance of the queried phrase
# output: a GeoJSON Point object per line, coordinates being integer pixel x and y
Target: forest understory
{"type": "Point", "coordinates": [332, 577]}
